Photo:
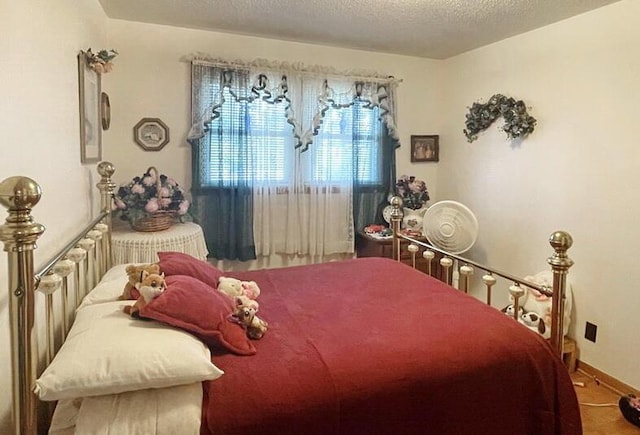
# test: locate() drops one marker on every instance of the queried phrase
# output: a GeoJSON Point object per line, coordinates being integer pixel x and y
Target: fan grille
{"type": "Point", "coordinates": [451, 226]}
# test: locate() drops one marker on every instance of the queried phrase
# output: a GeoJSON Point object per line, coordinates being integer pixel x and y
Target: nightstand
{"type": "Point", "coordinates": [129, 246]}
{"type": "Point", "coordinates": [368, 246]}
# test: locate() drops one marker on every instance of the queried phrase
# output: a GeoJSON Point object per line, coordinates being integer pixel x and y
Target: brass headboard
{"type": "Point", "coordinates": [19, 234]}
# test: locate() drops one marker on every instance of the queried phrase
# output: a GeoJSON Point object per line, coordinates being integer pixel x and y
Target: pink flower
{"type": "Point", "coordinates": [152, 206]}
{"type": "Point", "coordinates": [417, 186]}
{"type": "Point", "coordinates": [164, 192]}
{"type": "Point", "coordinates": [183, 208]}
{"type": "Point", "coordinates": [137, 188]}
{"type": "Point", "coordinates": [119, 204]}
{"type": "Point", "coordinates": [98, 67]}
{"type": "Point", "coordinates": [165, 202]}
{"type": "Point", "coordinates": [149, 180]}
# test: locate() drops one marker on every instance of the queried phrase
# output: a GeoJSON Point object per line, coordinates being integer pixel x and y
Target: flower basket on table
{"type": "Point", "coordinates": [414, 196]}
{"type": "Point", "coordinates": [151, 202]}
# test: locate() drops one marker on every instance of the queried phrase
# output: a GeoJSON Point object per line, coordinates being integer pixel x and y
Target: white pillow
{"type": "Point", "coordinates": [108, 352]}
{"type": "Point", "coordinates": [109, 288]}
{"type": "Point", "coordinates": [171, 410]}
{"type": "Point", "coordinates": [116, 272]}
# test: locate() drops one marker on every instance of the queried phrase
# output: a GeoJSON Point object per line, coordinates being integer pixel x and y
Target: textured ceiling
{"type": "Point", "coordinates": [427, 28]}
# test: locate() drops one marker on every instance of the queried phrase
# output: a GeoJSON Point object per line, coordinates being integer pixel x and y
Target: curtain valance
{"type": "Point", "coordinates": [307, 91]}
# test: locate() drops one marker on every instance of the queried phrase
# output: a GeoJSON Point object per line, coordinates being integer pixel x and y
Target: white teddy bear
{"type": "Point", "coordinates": [532, 301]}
{"type": "Point", "coordinates": [233, 287]}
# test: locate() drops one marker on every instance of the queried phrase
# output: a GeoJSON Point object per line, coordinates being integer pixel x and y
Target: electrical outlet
{"type": "Point", "coordinates": [590, 331]}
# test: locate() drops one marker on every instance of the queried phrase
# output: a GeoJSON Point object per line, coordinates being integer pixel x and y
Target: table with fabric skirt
{"type": "Point", "coordinates": [129, 246]}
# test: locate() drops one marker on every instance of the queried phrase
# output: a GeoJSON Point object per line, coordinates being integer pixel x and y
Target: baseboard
{"type": "Point", "coordinates": [606, 380]}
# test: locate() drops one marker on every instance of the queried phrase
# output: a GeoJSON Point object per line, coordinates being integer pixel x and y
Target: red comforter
{"type": "Point", "coordinates": [370, 346]}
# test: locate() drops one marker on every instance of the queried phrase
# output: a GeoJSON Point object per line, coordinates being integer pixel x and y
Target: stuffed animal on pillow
{"type": "Point", "coordinates": [233, 287]}
{"type": "Point", "coordinates": [245, 315]}
{"type": "Point", "coordinates": [149, 288]}
{"type": "Point", "coordinates": [135, 274]}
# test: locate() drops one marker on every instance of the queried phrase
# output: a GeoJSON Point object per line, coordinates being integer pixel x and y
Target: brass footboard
{"type": "Point", "coordinates": [19, 234]}
{"type": "Point", "coordinates": [560, 263]}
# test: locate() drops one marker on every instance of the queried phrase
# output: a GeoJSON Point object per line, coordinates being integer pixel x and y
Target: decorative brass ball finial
{"type": "Point", "coordinates": [106, 169]}
{"type": "Point", "coordinates": [560, 241]}
{"type": "Point", "coordinates": [19, 193]}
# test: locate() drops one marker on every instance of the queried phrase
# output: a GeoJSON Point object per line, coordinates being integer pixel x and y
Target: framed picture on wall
{"type": "Point", "coordinates": [90, 118]}
{"type": "Point", "coordinates": [425, 148]}
{"type": "Point", "coordinates": [151, 134]}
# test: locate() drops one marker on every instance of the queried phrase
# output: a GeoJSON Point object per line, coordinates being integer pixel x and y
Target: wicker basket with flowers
{"type": "Point", "coordinates": [151, 202]}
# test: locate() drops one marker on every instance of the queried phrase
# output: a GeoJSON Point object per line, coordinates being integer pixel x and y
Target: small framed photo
{"type": "Point", "coordinates": [90, 125]}
{"type": "Point", "coordinates": [425, 148]}
{"type": "Point", "coordinates": [151, 134]}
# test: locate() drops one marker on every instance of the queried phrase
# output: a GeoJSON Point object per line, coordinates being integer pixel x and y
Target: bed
{"type": "Point", "coordinates": [367, 345]}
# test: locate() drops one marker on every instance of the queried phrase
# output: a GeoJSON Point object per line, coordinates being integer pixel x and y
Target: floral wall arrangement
{"type": "Point", "coordinates": [413, 192]}
{"type": "Point", "coordinates": [100, 62]}
{"type": "Point", "coordinates": [517, 122]}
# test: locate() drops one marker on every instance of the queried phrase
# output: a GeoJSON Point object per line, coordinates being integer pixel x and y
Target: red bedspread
{"type": "Point", "coordinates": [370, 346]}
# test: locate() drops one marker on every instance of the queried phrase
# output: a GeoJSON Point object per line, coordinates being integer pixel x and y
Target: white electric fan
{"type": "Point", "coordinates": [451, 226]}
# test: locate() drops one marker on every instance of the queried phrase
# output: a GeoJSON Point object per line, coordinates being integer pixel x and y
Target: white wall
{"type": "Point", "coordinates": [150, 80]}
{"type": "Point", "coordinates": [578, 171]}
{"type": "Point", "coordinates": [39, 133]}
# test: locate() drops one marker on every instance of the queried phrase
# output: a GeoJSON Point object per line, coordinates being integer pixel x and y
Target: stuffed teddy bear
{"type": "Point", "coordinates": [151, 286]}
{"type": "Point", "coordinates": [135, 274]}
{"type": "Point", "coordinates": [245, 315]}
{"type": "Point", "coordinates": [233, 287]}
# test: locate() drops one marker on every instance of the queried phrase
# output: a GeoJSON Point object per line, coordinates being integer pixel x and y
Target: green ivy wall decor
{"type": "Point", "coordinates": [517, 122]}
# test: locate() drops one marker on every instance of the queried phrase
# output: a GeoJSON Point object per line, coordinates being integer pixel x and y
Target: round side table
{"type": "Point", "coordinates": [129, 246]}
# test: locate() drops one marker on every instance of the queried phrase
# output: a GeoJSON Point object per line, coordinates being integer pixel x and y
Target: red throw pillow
{"type": "Point", "coordinates": [195, 307]}
{"type": "Point", "coordinates": [177, 263]}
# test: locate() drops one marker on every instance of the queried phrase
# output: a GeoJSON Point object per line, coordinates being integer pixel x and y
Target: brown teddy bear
{"type": "Point", "coordinates": [135, 274]}
{"type": "Point", "coordinates": [151, 286]}
{"type": "Point", "coordinates": [245, 315]}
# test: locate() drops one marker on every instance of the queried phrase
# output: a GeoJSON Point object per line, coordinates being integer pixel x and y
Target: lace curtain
{"type": "Point", "coordinates": [243, 211]}
{"type": "Point", "coordinates": [297, 85]}
{"type": "Point", "coordinates": [221, 182]}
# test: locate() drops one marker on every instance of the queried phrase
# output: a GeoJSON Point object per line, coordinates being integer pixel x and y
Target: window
{"type": "Point", "coordinates": [258, 187]}
{"type": "Point", "coordinates": [346, 133]}
{"type": "Point", "coordinates": [254, 142]}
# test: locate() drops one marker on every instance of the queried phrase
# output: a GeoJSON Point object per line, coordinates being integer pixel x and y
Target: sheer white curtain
{"type": "Point", "coordinates": [309, 212]}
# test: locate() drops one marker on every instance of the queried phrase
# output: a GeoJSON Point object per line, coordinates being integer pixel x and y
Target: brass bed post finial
{"type": "Point", "coordinates": [396, 217]}
{"type": "Point", "coordinates": [107, 189]}
{"type": "Point", "coordinates": [560, 263]}
{"type": "Point", "coordinates": [19, 234]}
